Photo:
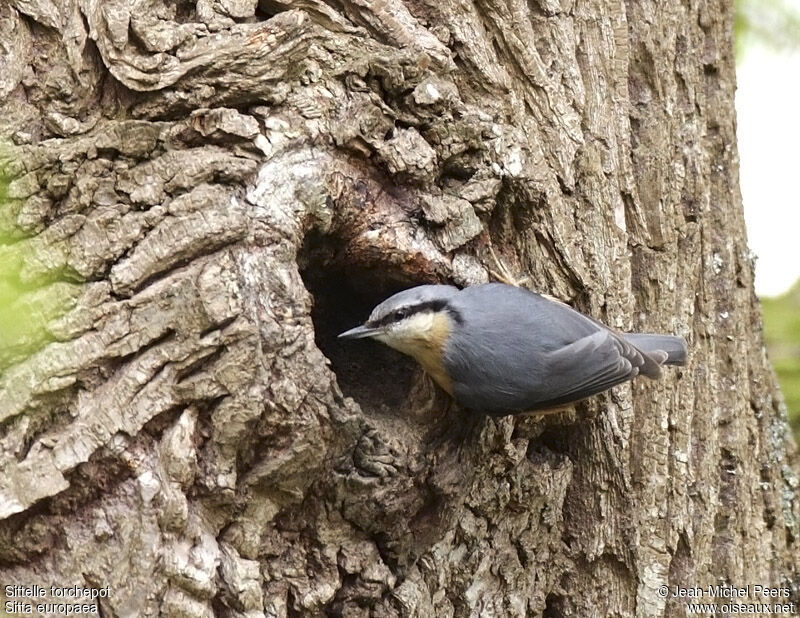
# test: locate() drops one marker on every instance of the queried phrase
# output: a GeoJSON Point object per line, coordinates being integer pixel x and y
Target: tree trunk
{"type": "Point", "coordinates": [201, 195]}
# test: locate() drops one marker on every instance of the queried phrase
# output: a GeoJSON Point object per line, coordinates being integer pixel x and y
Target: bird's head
{"type": "Point", "coordinates": [416, 322]}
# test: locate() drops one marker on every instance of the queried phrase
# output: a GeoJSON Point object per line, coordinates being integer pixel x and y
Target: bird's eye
{"type": "Point", "coordinates": [400, 314]}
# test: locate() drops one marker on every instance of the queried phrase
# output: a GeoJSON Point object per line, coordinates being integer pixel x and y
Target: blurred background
{"type": "Point", "coordinates": [768, 75]}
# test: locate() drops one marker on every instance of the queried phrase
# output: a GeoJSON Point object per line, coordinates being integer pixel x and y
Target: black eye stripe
{"type": "Point", "coordinates": [401, 313]}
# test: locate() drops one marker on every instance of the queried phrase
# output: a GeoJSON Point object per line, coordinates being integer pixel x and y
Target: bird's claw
{"type": "Point", "coordinates": [504, 275]}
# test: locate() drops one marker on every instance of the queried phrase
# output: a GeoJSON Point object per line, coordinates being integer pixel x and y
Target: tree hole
{"type": "Point", "coordinates": [552, 608]}
{"type": "Point", "coordinates": [267, 8]}
{"type": "Point", "coordinates": [379, 379]}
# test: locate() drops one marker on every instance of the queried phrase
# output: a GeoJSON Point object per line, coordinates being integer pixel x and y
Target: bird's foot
{"type": "Point", "coordinates": [503, 272]}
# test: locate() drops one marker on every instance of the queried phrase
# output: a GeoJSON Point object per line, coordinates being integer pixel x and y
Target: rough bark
{"type": "Point", "coordinates": [203, 194]}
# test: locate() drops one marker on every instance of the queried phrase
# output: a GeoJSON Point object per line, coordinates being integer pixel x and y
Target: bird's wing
{"type": "Point", "coordinates": [509, 382]}
{"type": "Point", "coordinates": [519, 351]}
{"type": "Point", "coordinates": [589, 366]}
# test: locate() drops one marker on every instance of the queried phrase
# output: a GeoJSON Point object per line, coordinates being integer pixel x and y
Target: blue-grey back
{"type": "Point", "coordinates": [495, 357]}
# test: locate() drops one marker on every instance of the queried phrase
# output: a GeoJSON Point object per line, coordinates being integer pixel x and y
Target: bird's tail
{"type": "Point", "coordinates": [658, 345]}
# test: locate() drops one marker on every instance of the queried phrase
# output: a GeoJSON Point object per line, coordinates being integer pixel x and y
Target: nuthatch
{"type": "Point", "coordinates": [500, 349]}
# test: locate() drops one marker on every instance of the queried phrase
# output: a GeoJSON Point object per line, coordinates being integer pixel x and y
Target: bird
{"type": "Point", "coordinates": [500, 349]}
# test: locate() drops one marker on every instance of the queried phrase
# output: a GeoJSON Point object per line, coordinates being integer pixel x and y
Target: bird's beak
{"type": "Point", "coordinates": [359, 332]}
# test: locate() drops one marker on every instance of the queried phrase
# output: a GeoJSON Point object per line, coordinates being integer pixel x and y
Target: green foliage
{"type": "Point", "coordinates": [782, 335]}
{"type": "Point", "coordinates": [771, 23]}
